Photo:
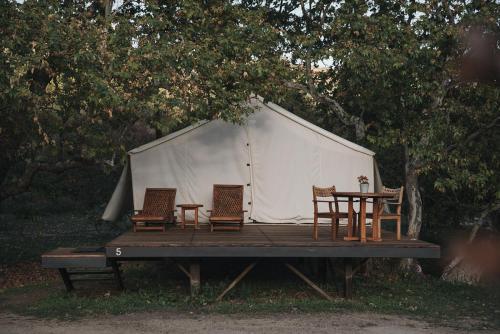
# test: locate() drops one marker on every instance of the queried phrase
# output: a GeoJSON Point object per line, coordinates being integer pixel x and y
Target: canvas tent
{"type": "Point", "coordinates": [275, 154]}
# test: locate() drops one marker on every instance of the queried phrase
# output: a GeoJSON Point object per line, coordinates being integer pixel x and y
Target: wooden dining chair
{"type": "Point", "coordinates": [227, 208]}
{"type": "Point", "coordinates": [333, 212]}
{"type": "Point", "coordinates": [158, 209]}
{"type": "Point", "coordinates": [391, 208]}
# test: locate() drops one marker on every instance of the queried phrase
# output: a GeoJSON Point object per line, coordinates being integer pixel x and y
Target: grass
{"type": "Point", "coordinates": [268, 288]}
{"type": "Point", "coordinates": [153, 287]}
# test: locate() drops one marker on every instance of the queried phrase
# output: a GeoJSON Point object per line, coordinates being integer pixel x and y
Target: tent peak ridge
{"type": "Point", "coordinates": [280, 110]}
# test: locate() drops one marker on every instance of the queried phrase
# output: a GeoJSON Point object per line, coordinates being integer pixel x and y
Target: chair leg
{"type": "Point", "coordinates": [334, 230]}
{"type": "Point", "coordinates": [398, 228]}
{"type": "Point", "coordinates": [135, 226]}
{"type": "Point", "coordinates": [355, 225]}
{"type": "Point", "coordinates": [315, 228]}
{"type": "Point", "coordinates": [358, 226]}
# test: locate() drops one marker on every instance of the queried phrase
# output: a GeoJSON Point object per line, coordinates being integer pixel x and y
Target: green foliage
{"type": "Point", "coordinates": [401, 68]}
{"type": "Point", "coordinates": [75, 82]}
{"type": "Point", "coordinates": [398, 67]}
{"type": "Point", "coordinates": [79, 85]}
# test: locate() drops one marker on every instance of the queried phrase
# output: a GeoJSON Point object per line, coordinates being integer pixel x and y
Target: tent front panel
{"type": "Point", "coordinates": [275, 155]}
{"type": "Point", "coordinates": [214, 153]}
{"type": "Point", "coordinates": [288, 158]}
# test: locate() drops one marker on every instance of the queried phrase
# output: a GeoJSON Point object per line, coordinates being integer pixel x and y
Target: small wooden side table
{"type": "Point", "coordinates": [187, 207]}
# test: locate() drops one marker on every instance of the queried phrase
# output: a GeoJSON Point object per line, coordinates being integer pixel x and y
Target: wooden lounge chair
{"type": "Point", "coordinates": [333, 214]}
{"type": "Point", "coordinates": [386, 211]}
{"type": "Point", "coordinates": [158, 209]}
{"type": "Point", "coordinates": [227, 210]}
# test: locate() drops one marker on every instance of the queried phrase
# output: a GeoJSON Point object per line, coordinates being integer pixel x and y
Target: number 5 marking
{"type": "Point", "coordinates": [118, 251]}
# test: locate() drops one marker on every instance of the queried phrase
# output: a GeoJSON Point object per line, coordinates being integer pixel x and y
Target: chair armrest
{"type": "Point", "coordinates": [147, 218]}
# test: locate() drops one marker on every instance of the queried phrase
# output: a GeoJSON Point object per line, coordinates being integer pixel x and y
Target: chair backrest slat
{"type": "Point", "coordinates": [159, 202]}
{"type": "Point", "coordinates": [323, 192]}
{"type": "Point", "coordinates": [227, 200]}
{"type": "Point", "coordinates": [398, 197]}
{"type": "Point", "coordinates": [319, 192]}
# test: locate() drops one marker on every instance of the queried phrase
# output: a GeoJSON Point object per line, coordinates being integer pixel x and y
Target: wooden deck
{"type": "Point", "coordinates": [261, 241]}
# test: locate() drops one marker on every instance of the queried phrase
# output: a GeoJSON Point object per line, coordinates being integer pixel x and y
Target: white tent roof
{"type": "Point", "coordinates": [277, 155]}
{"type": "Point", "coordinates": [258, 103]}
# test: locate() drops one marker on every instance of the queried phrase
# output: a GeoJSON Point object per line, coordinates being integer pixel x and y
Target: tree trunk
{"type": "Point", "coordinates": [414, 207]}
{"type": "Point", "coordinates": [414, 200]}
{"type": "Point", "coordinates": [108, 7]}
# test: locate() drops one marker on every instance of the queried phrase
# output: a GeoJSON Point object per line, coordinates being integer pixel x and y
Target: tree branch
{"type": "Point", "coordinates": [335, 107]}
{"type": "Point", "coordinates": [126, 2]}
{"type": "Point", "coordinates": [473, 135]}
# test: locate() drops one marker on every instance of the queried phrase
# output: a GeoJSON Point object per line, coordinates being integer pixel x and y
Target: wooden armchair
{"type": "Point", "coordinates": [227, 210]}
{"type": "Point", "coordinates": [333, 213]}
{"type": "Point", "coordinates": [389, 204]}
{"type": "Point", "coordinates": [158, 209]}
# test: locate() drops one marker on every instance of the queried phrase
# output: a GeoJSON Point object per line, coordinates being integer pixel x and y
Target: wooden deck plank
{"type": "Point", "coordinates": [261, 241]}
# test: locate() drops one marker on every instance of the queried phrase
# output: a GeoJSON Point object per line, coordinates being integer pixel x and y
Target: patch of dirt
{"type": "Point", "coordinates": [20, 274]}
{"type": "Point", "coordinates": [173, 322]}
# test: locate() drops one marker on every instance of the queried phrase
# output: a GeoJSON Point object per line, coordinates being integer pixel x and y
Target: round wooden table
{"type": "Point", "coordinates": [187, 207]}
{"type": "Point", "coordinates": [376, 197]}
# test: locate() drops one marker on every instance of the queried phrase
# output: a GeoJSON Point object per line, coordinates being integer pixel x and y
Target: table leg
{"type": "Point", "coordinates": [375, 220]}
{"type": "Point", "coordinates": [350, 221]}
{"type": "Point", "coordinates": [362, 218]}
{"type": "Point", "coordinates": [350, 217]}
{"type": "Point", "coordinates": [196, 218]}
{"type": "Point", "coordinates": [183, 214]}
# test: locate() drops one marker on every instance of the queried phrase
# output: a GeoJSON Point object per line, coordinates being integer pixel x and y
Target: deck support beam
{"type": "Point", "coordinates": [348, 274]}
{"type": "Point", "coordinates": [66, 279]}
{"type": "Point", "coordinates": [184, 270]}
{"type": "Point", "coordinates": [309, 282]}
{"type": "Point", "coordinates": [194, 277]}
{"type": "Point", "coordinates": [116, 273]}
{"type": "Point", "coordinates": [236, 280]}
{"type": "Point", "coordinates": [193, 274]}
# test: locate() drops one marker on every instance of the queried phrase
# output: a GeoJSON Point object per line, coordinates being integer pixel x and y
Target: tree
{"type": "Point", "coordinates": [396, 81]}
{"type": "Point", "coordinates": [76, 76]}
